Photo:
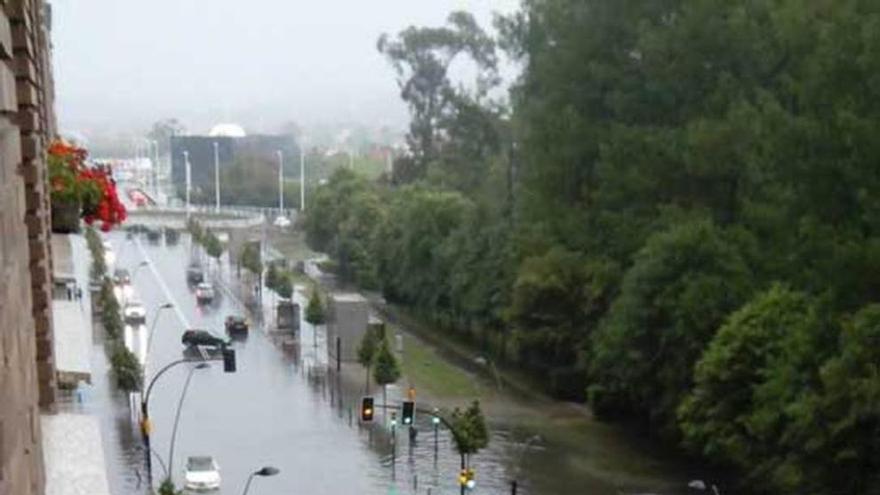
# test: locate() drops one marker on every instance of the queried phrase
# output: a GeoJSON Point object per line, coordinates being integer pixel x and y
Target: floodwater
{"type": "Point", "coordinates": [284, 408]}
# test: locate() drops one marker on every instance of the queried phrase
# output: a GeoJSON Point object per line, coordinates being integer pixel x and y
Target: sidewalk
{"type": "Point", "coordinates": [72, 446]}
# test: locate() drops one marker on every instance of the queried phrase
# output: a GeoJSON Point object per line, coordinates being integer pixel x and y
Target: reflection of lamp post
{"type": "Point", "coordinates": [199, 366]}
{"type": "Point", "coordinates": [265, 471]}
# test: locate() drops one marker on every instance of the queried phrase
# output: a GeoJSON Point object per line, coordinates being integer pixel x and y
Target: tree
{"type": "Point", "coordinates": [212, 245]}
{"type": "Point", "coordinates": [272, 277]}
{"type": "Point", "coordinates": [366, 352]}
{"type": "Point", "coordinates": [469, 429]}
{"type": "Point", "coordinates": [315, 310]}
{"type": "Point", "coordinates": [421, 57]}
{"type": "Point", "coordinates": [284, 285]}
{"type": "Point", "coordinates": [684, 282]}
{"type": "Point", "coordinates": [385, 368]}
{"type": "Point", "coordinates": [128, 371]}
{"type": "Point", "coordinates": [736, 413]}
{"type": "Point", "coordinates": [249, 258]}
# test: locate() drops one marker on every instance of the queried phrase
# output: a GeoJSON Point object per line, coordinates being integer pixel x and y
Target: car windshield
{"type": "Point", "coordinates": [200, 464]}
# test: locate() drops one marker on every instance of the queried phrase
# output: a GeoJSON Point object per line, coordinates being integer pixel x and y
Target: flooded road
{"type": "Point", "coordinates": [282, 408]}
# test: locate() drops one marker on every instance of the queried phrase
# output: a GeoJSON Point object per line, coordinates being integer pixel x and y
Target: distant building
{"type": "Point", "coordinates": [232, 143]}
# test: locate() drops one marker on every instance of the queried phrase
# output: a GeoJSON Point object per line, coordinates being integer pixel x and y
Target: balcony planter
{"type": "Point", "coordinates": [65, 216]}
{"type": "Point", "coordinates": [80, 190]}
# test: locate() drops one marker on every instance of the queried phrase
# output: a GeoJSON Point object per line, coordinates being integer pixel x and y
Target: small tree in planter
{"type": "Point", "coordinates": [315, 310]}
{"type": "Point", "coordinates": [284, 285]}
{"type": "Point", "coordinates": [385, 369]}
{"type": "Point", "coordinates": [366, 352]}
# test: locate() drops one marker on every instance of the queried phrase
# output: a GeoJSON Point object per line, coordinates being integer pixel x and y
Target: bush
{"type": "Point", "coordinates": [126, 368]}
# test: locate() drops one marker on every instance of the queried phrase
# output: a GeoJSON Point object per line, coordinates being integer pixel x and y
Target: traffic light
{"type": "Point", "coordinates": [367, 409]}
{"type": "Point", "coordinates": [408, 412]}
{"type": "Point", "coordinates": [466, 478]}
{"type": "Point", "coordinates": [229, 360]}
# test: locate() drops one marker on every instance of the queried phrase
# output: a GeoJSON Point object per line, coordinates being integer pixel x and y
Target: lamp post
{"type": "Point", "coordinates": [188, 179]}
{"type": "Point", "coordinates": [280, 182]}
{"type": "Point", "coordinates": [264, 471]}
{"type": "Point", "coordinates": [189, 375]}
{"type": "Point", "coordinates": [302, 179]}
{"type": "Point", "coordinates": [216, 176]}
{"type": "Point", "coordinates": [145, 417]}
{"type": "Point", "coordinates": [153, 327]}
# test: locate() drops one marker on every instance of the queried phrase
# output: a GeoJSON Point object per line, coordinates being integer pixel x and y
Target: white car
{"type": "Point", "coordinates": [134, 312]}
{"type": "Point", "coordinates": [202, 473]}
{"type": "Point", "coordinates": [204, 292]}
{"type": "Point", "coordinates": [282, 222]}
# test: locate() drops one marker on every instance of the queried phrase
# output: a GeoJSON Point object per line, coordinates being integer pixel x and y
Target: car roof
{"type": "Point", "coordinates": [200, 461]}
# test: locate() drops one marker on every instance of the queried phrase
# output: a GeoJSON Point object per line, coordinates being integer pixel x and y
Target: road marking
{"type": "Point", "coordinates": [163, 286]}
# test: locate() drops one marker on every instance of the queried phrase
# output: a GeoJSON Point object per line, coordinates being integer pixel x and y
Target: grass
{"type": "Point", "coordinates": [292, 244]}
{"type": "Point", "coordinates": [431, 373]}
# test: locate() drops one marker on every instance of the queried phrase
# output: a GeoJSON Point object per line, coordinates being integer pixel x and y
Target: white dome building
{"type": "Point", "coordinates": [227, 130]}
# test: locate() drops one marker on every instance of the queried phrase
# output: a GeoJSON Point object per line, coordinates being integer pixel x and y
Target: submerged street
{"type": "Point", "coordinates": [282, 408]}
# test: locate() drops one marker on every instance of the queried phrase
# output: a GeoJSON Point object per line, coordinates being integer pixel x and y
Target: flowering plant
{"type": "Point", "coordinates": [91, 189]}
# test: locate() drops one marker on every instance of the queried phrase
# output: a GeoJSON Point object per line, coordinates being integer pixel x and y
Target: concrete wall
{"type": "Point", "coordinates": [27, 371]}
{"type": "Point", "coordinates": [347, 318]}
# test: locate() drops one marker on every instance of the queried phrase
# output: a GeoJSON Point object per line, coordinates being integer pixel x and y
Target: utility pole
{"type": "Point", "coordinates": [302, 179]}
{"type": "Point", "coordinates": [216, 176]}
{"type": "Point", "coordinates": [188, 179]}
{"type": "Point", "coordinates": [280, 183]}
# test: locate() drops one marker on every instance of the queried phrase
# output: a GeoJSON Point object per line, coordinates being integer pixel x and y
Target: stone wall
{"type": "Point", "coordinates": [27, 120]}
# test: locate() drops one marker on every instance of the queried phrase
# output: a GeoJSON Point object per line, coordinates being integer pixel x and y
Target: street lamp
{"type": "Point", "coordinates": [216, 176]}
{"type": "Point", "coordinates": [189, 375]}
{"type": "Point", "coordinates": [280, 182]}
{"type": "Point", "coordinates": [264, 471]}
{"type": "Point", "coordinates": [167, 305]}
{"type": "Point", "coordinates": [302, 179]}
{"type": "Point", "coordinates": [188, 179]}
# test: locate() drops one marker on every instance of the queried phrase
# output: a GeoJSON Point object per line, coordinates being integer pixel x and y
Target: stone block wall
{"type": "Point", "coordinates": [27, 122]}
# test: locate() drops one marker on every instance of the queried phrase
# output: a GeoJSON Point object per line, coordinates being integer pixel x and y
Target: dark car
{"type": "Point", "coordinates": [192, 338]}
{"type": "Point", "coordinates": [236, 324]}
{"type": "Point", "coordinates": [121, 276]}
{"type": "Point", "coordinates": [194, 275]}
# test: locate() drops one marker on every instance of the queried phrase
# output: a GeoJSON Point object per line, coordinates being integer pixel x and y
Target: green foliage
{"type": "Point", "coordinates": [272, 276]}
{"type": "Point", "coordinates": [284, 287]}
{"type": "Point", "coordinates": [677, 214]}
{"type": "Point", "coordinates": [111, 316]}
{"type": "Point", "coordinates": [367, 348]}
{"type": "Point", "coordinates": [212, 244]}
{"type": "Point", "coordinates": [249, 258]}
{"type": "Point", "coordinates": [385, 367]}
{"type": "Point", "coordinates": [470, 431]}
{"type": "Point", "coordinates": [96, 247]}
{"type": "Point", "coordinates": [315, 313]}
{"type": "Point", "coordinates": [126, 368]}
{"type": "Point", "coordinates": [684, 282]}
{"type": "Point", "coordinates": [167, 488]}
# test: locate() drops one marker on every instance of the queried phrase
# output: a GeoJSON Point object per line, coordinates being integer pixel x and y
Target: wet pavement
{"type": "Point", "coordinates": [283, 408]}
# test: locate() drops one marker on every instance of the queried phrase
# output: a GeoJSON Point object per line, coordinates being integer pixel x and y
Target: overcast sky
{"type": "Point", "coordinates": [122, 64]}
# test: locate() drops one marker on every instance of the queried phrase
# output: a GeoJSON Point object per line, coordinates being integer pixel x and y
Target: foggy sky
{"type": "Point", "coordinates": [123, 64]}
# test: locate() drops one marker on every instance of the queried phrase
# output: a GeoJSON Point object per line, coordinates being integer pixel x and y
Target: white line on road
{"type": "Point", "coordinates": [163, 286]}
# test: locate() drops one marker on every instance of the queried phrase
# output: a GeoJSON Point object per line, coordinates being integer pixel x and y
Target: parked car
{"type": "Point", "coordinates": [204, 293]}
{"type": "Point", "coordinates": [121, 276]}
{"type": "Point", "coordinates": [194, 337]}
{"type": "Point", "coordinates": [202, 473]}
{"type": "Point", "coordinates": [134, 312]}
{"type": "Point", "coordinates": [236, 324]}
{"type": "Point", "coordinates": [194, 275]}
